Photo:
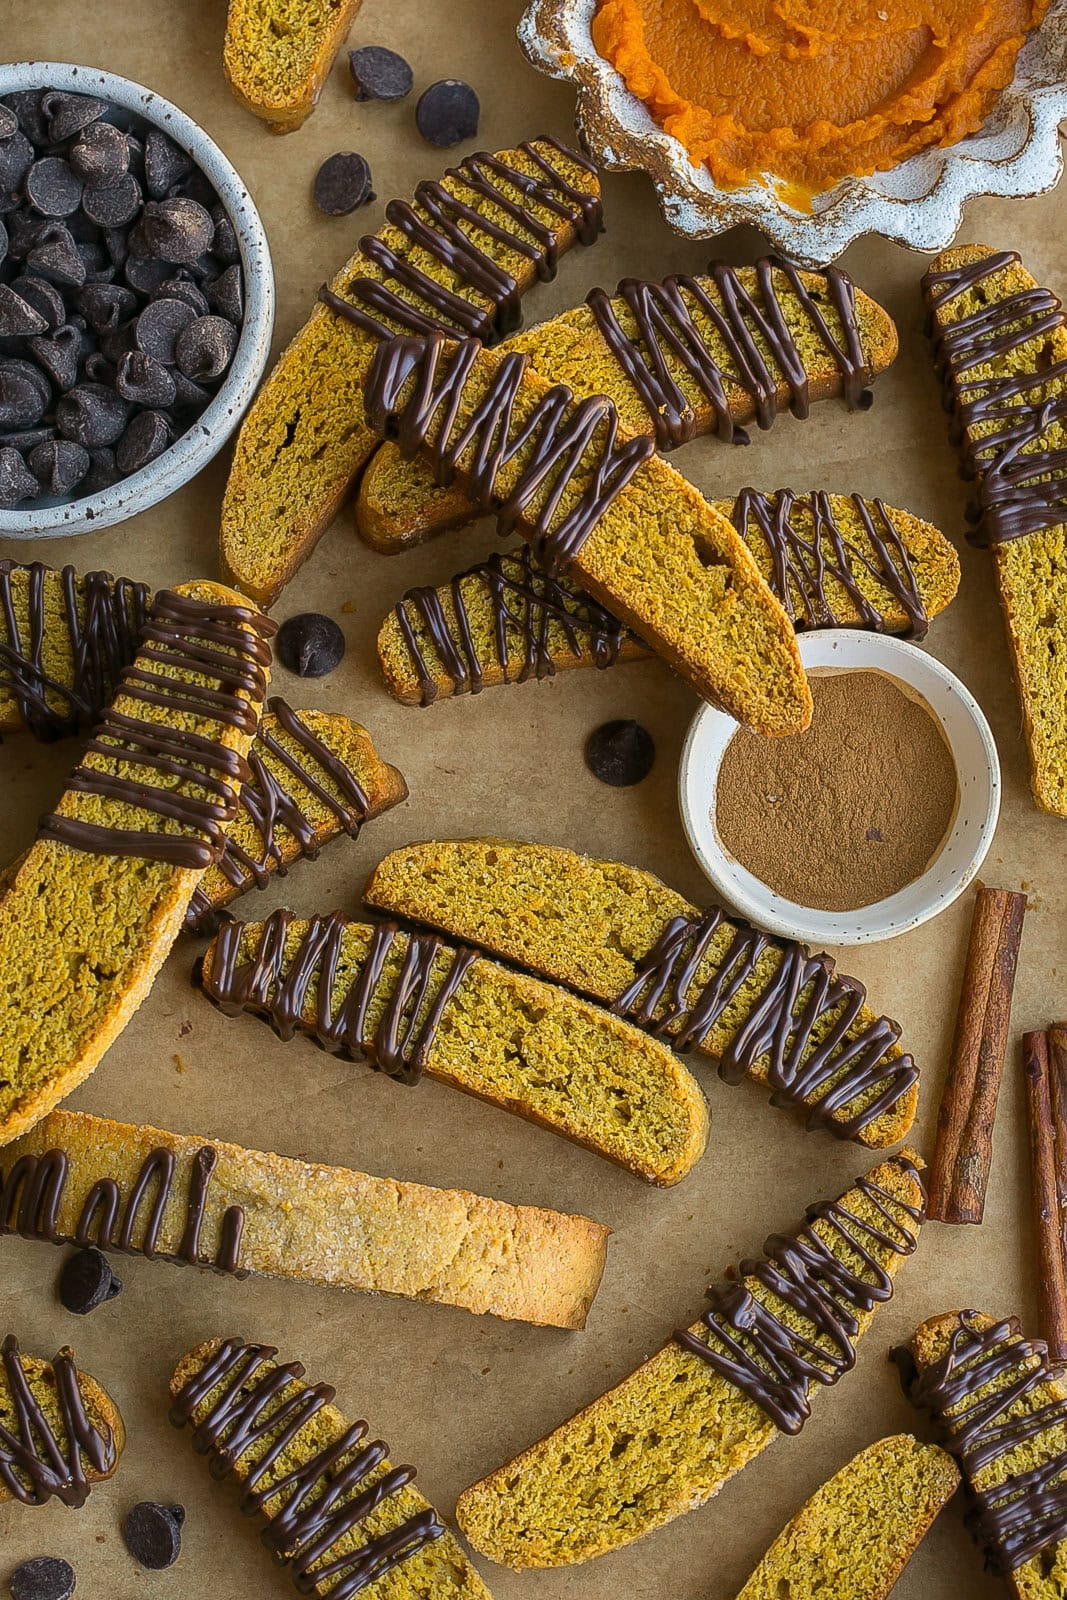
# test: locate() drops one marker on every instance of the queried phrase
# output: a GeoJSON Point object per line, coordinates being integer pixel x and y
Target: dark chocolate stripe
{"type": "Point", "coordinates": [39, 1462]}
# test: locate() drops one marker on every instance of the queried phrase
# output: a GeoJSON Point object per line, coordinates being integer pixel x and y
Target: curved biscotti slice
{"type": "Point", "coordinates": [60, 1432]}
{"type": "Point", "coordinates": [859, 1530]}
{"type": "Point", "coordinates": [277, 55]}
{"type": "Point", "coordinates": [762, 1007]}
{"type": "Point", "coordinates": [99, 898]}
{"type": "Point", "coordinates": [199, 1202]}
{"type": "Point", "coordinates": [314, 775]}
{"type": "Point", "coordinates": [680, 358]}
{"type": "Point", "coordinates": [832, 560]}
{"type": "Point", "coordinates": [457, 259]}
{"type": "Point", "coordinates": [597, 502]}
{"type": "Point", "coordinates": [1000, 344]}
{"type": "Point", "coordinates": [669, 1436]}
{"type": "Point", "coordinates": [337, 1513]}
{"type": "Point", "coordinates": [1001, 1409]}
{"type": "Point", "coordinates": [408, 1003]}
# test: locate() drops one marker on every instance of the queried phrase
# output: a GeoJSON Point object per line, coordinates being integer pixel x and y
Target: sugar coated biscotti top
{"type": "Point", "coordinates": [854, 1537]}
{"type": "Point", "coordinates": [410, 1003]}
{"type": "Point", "coordinates": [337, 1514]}
{"type": "Point", "coordinates": [669, 1436]}
{"type": "Point", "coordinates": [277, 55]}
{"type": "Point", "coordinates": [98, 899]}
{"type": "Point", "coordinates": [1001, 1409]}
{"type": "Point", "coordinates": [763, 1007]}
{"type": "Point", "coordinates": [458, 258]}
{"type": "Point", "coordinates": [60, 1432]}
{"type": "Point", "coordinates": [201, 1202]}
{"type": "Point", "coordinates": [1000, 346]}
{"type": "Point", "coordinates": [593, 500]}
{"type": "Point", "coordinates": [679, 358]}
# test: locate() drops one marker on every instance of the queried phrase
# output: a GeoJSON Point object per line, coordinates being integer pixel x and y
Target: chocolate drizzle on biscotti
{"type": "Point", "coordinates": [314, 1499]}
{"type": "Point", "coordinates": [449, 226]}
{"type": "Point", "coordinates": [103, 619]}
{"type": "Point", "coordinates": [39, 1462]}
{"type": "Point", "coordinates": [819, 1065]}
{"type": "Point", "coordinates": [562, 443]}
{"type": "Point", "coordinates": [277, 985]}
{"type": "Point", "coordinates": [751, 1342]}
{"type": "Point", "coordinates": [31, 1196]}
{"type": "Point", "coordinates": [667, 321]}
{"type": "Point", "coordinates": [197, 659]}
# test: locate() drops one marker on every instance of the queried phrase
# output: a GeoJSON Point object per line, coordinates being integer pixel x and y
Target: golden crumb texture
{"type": "Point", "coordinates": [277, 55]}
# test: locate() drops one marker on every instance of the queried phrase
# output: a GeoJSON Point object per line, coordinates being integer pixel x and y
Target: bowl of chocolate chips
{"type": "Point", "coordinates": [136, 299]}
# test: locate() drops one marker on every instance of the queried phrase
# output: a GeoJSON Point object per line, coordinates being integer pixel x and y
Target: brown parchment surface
{"type": "Point", "coordinates": [454, 1394]}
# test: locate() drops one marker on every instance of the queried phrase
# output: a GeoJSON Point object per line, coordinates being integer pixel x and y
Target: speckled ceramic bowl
{"type": "Point", "coordinates": [919, 203]}
{"type": "Point", "coordinates": [50, 519]}
{"type": "Point", "coordinates": [962, 852]}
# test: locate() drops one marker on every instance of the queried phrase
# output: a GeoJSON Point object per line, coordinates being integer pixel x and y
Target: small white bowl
{"type": "Point", "coordinates": [970, 740]}
{"type": "Point", "coordinates": [51, 519]}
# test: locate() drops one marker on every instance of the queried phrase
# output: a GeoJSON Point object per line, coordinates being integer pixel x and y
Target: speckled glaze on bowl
{"type": "Point", "coordinates": [192, 450]}
{"type": "Point", "coordinates": [919, 203]}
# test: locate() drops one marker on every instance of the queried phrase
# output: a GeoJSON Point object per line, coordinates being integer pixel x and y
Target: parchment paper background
{"type": "Point", "coordinates": [454, 1394]}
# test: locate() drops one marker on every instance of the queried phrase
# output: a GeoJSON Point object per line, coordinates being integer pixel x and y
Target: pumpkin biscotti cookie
{"type": "Point", "coordinates": [673, 1433]}
{"type": "Point", "coordinates": [99, 898]}
{"type": "Point", "coordinates": [408, 1003]}
{"type": "Point", "coordinates": [76, 1179]}
{"type": "Point", "coordinates": [684, 357]}
{"type": "Point", "coordinates": [1002, 1411]}
{"type": "Point", "coordinates": [277, 55]}
{"type": "Point", "coordinates": [456, 260]}
{"type": "Point", "coordinates": [859, 1530]}
{"type": "Point", "coordinates": [60, 1432]}
{"type": "Point", "coordinates": [1000, 344]}
{"type": "Point", "coordinates": [762, 1007]}
{"type": "Point", "coordinates": [590, 498]}
{"type": "Point", "coordinates": [832, 560]}
{"type": "Point", "coordinates": [337, 1513]}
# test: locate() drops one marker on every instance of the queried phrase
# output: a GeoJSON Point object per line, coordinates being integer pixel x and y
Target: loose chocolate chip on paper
{"type": "Point", "coordinates": [177, 230]}
{"type": "Point", "coordinates": [100, 154]}
{"type": "Point", "coordinates": [43, 1578]}
{"type": "Point", "coordinates": [147, 436]}
{"type": "Point", "coordinates": [379, 74]}
{"type": "Point", "coordinates": [144, 381]}
{"type": "Point", "coordinates": [53, 187]}
{"type": "Point", "coordinates": [17, 482]}
{"type": "Point", "coordinates": [204, 349]}
{"type": "Point", "coordinates": [342, 183]}
{"type": "Point", "coordinates": [67, 114]}
{"type": "Point", "coordinates": [153, 1534]}
{"type": "Point", "coordinates": [620, 753]}
{"type": "Point", "coordinates": [112, 205]}
{"type": "Point", "coordinates": [17, 317]}
{"type": "Point", "coordinates": [59, 466]}
{"type": "Point", "coordinates": [164, 164]}
{"type": "Point", "coordinates": [92, 414]}
{"type": "Point", "coordinates": [87, 1280]}
{"type": "Point", "coordinates": [310, 644]}
{"type": "Point", "coordinates": [159, 325]}
{"type": "Point", "coordinates": [447, 113]}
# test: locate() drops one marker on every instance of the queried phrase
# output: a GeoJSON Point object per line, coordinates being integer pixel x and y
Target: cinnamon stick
{"type": "Point", "coordinates": [1046, 1141]}
{"type": "Point", "coordinates": [964, 1149]}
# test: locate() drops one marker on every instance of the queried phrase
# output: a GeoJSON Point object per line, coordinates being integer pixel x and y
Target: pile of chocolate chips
{"type": "Point", "coordinates": [121, 295]}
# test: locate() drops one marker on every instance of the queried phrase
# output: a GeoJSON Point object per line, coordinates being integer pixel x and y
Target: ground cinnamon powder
{"type": "Point", "coordinates": [849, 811]}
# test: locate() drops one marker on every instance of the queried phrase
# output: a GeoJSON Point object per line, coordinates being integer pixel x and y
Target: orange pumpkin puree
{"type": "Point", "coordinates": [812, 90]}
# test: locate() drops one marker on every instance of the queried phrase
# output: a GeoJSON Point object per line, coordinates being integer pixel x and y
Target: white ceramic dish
{"type": "Point", "coordinates": [961, 855]}
{"type": "Point", "coordinates": [920, 203]}
{"type": "Point", "coordinates": [207, 435]}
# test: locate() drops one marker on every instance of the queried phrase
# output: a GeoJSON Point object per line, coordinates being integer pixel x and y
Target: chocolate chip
{"type": "Point", "coordinates": [224, 244]}
{"type": "Point", "coordinates": [189, 396]}
{"type": "Point", "coordinates": [620, 753]}
{"type": "Point", "coordinates": [59, 355]}
{"type": "Point", "coordinates": [177, 230]}
{"type": "Point", "coordinates": [26, 104]}
{"type": "Point", "coordinates": [227, 294]}
{"type": "Point", "coordinates": [205, 348]}
{"type": "Point", "coordinates": [24, 394]}
{"type": "Point", "coordinates": [189, 293]}
{"type": "Point", "coordinates": [147, 436]}
{"type": "Point", "coordinates": [111, 205]}
{"type": "Point", "coordinates": [144, 381]}
{"type": "Point", "coordinates": [197, 186]}
{"type": "Point", "coordinates": [9, 123]}
{"type": "Point", "coordinates": [17, 316]}
{"type": "Point", "coordinates": [94, 258]}
{"type": "Point", "coordinates": [116, 242]}
{"type": "Point", "coordinates": [102, 471]}
{"type": "Point", "coordinates": [106, 305]}
{"type": "Point", "coordinates": [164, 164]}
{"type": "Point", "coordinates": [56, 258]}
{"type": "Point", "coordinates": [379, 74]}
{"type": "Point", "coordinates": [342, 183]}
{"type": "Point", "coordinates": [16, 159]}
{"type": "Point", "coordinates": [204, 269]}
{"type": "Point", "coordinates": [43, 1578]}
{"type": "Point", "coordinates": [447, 112]}
{"type": "Point", "coordinates": [24, 229]}
{"type": "Point", "coordinates": [17, 482]}
{"type": "Point", "coordinates": [117, 342]}
{"type": "Point", "coordinates": [92, 414]}
{"type": "Point", "coordinates": [153, 1534]}
{"type": "Point", "coordinates": [159, 325]}
{"type": "Point", "coordinates": [136, 150]}
{"type": "Point", "coordinates": [26, 439]}
{"type": "Point", "coordinates": [59, 466]}
{"type": "Point", "coordinates": [145, 273]}
{"type": "Point", "coordinates": [53, 187]}
{"type": "Point", "coordinates": [66, 114]}
{"type": "Point", "coordinates": [100, 154]}
{"type": "Point", "coordinates": [87, 1280]}
{"type": "Point", "coordinates": [44, 297]}
{"type": "Point", "coordinates": [310, 644]}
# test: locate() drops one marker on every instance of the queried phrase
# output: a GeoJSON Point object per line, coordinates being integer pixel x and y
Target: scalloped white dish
{"type": "Point", "coordinates": [918, 203]}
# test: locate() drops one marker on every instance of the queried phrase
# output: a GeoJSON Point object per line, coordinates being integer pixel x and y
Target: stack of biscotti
{"type": "Point", "coordinates": [99, 898]}
{"type": "Point", "coordinates": [762, 1007]}
{"type": "Point", "coordinates": [680, 358]}
{"type": "Point", "coordinates": [457, 258]}
{"type": "Point", "coordinates": [672, 1434]}
{"type": "Point", "coordinates": [60, 1432]}
{"type": "Point", "coordinates": [832, 560]}
{"type": "Point", "coordinates": [410, 1003]}
{"type": "Point", "coordinates": [277, 55]}
{"type": "Point", "coordinates": [1000, 343]}
{"type": "Point", "coordinates": [204, 1203]}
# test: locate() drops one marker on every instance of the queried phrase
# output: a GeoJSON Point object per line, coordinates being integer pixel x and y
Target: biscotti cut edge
{"type": "Point", "coordinates": [286, 105]}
